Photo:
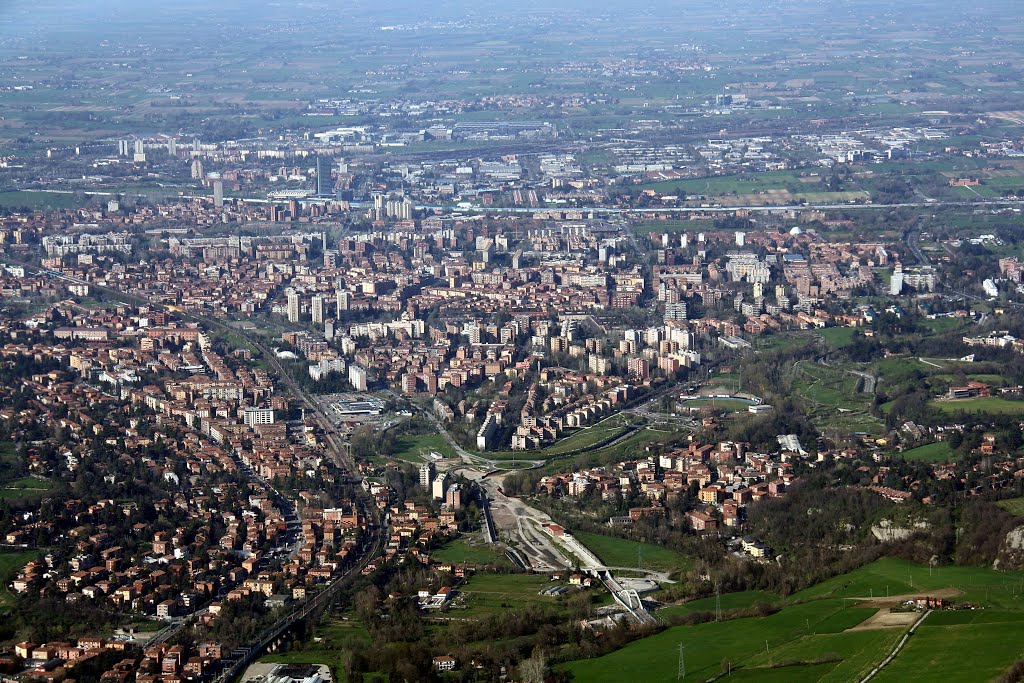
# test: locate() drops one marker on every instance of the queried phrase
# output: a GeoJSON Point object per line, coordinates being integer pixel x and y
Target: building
{"type": "Point", "coordinates": [896, 282]}
{"type": "Point", "coordinates": [293, 306]}
{"type": "Point", "coordinates": [357, 377]}
{"type": "Point", "coordinates": [258, 416]}
{"type": "Point", "coordinates": [218, 193]}
{"type": "Point", "coordinates": [485, 435]}
{"type": "Point", "coordinates": [439, 486]}
{"type": "Point", "coordinates": [426, 474]}
{"type": "Point", "coordinates": [444, 663]}
{"type": "Point", "coordinates": [317, 304]}
{"type": "Point", "coordinates": [453, 498]}
{"type": "Point", "coordinates": [344, 299]}
{"type": "Point", "coordinates": [970, 390]}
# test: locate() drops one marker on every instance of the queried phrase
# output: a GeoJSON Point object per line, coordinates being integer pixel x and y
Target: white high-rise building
{"type": "Point", "coordinates": [318, 309]}
{"type": "Point", "coordinates": [896, 283]}
{"type": "Point", "coordinates": [426, 474]}
{"type": "Point", "coordinates": [293, 306]}
{"type": "Point", "coordinates": [357, 377]}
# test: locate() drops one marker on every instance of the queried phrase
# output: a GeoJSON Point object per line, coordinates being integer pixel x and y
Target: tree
{"type": "Point", "coordinates": [534, 669]}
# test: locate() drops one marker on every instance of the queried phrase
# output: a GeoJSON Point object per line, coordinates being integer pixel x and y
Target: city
{"type": "Point", "coordinates": [517, 344]}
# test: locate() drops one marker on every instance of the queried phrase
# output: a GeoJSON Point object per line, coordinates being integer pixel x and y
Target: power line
{"type": "Point", "coordinates": [681, 672]}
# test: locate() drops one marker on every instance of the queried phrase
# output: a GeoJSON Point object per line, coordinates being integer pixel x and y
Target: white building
{"type": "Point", "coordinates": [258, 416]}
{"type": "Point", "coordinates": [357, 377]}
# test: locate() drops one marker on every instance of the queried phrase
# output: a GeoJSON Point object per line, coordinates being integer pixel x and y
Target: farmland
{"type": "Point", "coordinates": [808, 640]}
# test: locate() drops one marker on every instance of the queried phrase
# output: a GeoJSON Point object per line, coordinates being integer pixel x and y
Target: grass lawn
{"type": "Point", "coordinates": [24, 488]}
{"type": "Point", "coordinates": [837, 337]}
{"type": "Point", "coordinates": [464, 551]}
{"type": "Point", "coordinates": [487, 594]}
{"type": "Point", "coordinates": [620, 552]}
{"type": "Point", "coordinates": [993, 405]}
{"type": "Point", "coordinates": [932, 452]}
{"type": "Point", "coordinates": [418, 448]}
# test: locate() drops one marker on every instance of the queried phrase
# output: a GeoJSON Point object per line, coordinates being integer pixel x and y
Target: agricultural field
{"type": "Point", "coordinates": [727, 601]}
{"type": "Point", "coordinates": [620, 552]}
{"type": "Point", "coordinates": [932, 452]}
{"type": "Point", "coordinates": [809, 640]}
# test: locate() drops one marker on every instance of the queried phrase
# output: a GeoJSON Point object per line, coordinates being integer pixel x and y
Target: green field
{"type": "Point", "coordinates": [833, 399]}
{"type": "Point", "coordinates": [577, 440]}
{"type": "Point", "coordinates": [798, 630]}
{"type": "Point", "coordinates": [993, 405]}
{"type": "Point", "coordinates": [338, 636]}
{"type": "Point", "coordinates": [486, 594]}
{"type": "Point", "coordinates": [27, 487]}
{"type": "Point", "coordinates": [732, 405]}
{"type": "Point", "coordinates": [727, 601]}
{"type": "Point", "coordinates": [464, 551]}
{"type": "Point", "coordinates": [837, 337]}
{"type": "Point", "coordinates": [807, 640]}
{"type": "Point", "coordinates": [1014, 506]}
{"type": "Point", "coordinates": [932, 452]}
{"type": "Point", "coordinates": [418, 448]}
{"type": "Point", "coordinates": [9, 563]}
{"type": "Point", "coordinates": [620, 552]}
{"type": "Point", "coordinates": [44, 200]}
{"type": "Point", "coordinates": [631, 445]}
{"type": "Point", "coordinates": [942, 651]}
